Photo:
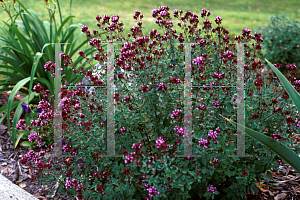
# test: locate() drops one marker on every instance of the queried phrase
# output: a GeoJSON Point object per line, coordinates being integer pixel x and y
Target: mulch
{"type": "Point", "coordinates": [286, 177]}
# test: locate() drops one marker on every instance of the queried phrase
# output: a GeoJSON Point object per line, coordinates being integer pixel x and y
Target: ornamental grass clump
{"type": "Point", "coordinates": [150, 131]}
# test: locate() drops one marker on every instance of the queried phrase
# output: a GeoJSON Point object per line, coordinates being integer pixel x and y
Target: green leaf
{"type": "Point", "coordinates": [62, 25]}
{"type": "Point", "coordinates": [287, 86]}
{"type": "Point", "coordinates": [166, 122]}
{"type": "Point", "coordinates": [33, 69]}
{"type": "Point", "coordinates": [254, 188]}
{"type": "Point", "coordinates": [204, 160]}
{"type": "Point", "coordinates": [4, 108]}
{"type": "Point", "coordinates": [17, 116]}
{"type": "Point", "coordinates": [269, 175]}
{"type": "Point", "coordinates": [282, 151]}
{"type": "Point", "coordinates": [18, 139]}
{"type": "Point", "coordinates": [18, 86]}
{"type": "Point", "coordinates": [23, 7]}
{"type": "Point", "coordinates": [138, 135]}
{"type": "Point", "coordinates": [26, 144]}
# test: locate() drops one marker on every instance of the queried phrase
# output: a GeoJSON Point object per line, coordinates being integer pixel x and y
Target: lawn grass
{"type": "Point", "coordinates": [236, 15]}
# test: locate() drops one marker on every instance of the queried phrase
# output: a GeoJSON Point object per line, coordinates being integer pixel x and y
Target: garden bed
{"type": "Point", "coordinates": [288, 180]}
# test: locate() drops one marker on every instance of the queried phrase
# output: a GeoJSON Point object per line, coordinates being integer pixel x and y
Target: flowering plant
{"type": "Point", "coordinates": [27, 37]}
{"type": "Point", "coordinates": [150, 131]}
{"type": "Point", "coordinates": [272, 143]}
{"type": "Point", "coordinates": [33, 139]}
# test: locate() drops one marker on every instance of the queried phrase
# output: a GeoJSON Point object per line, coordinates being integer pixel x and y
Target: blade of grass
{"type": "Point", "coordinates": [11, 98]}
{"type": "Point", "coordinates": [35, 64]}
{"type": "Point", "coordinates": [4, 108]}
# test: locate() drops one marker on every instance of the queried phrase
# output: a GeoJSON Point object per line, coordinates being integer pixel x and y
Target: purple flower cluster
{"type": "Point", "coordinates": [198, 61]}
{"type": "Point", "coordinates": [291, 67]}
{"type": "Point", "coordinates": [80, 165]}
{"type": "Point", "coordinates": [21, 125]}
{"type": "Point", "coordinates": [218, 76]}
{"type": "Point", "coordinates": [175, 80]}
{"type": "Point", "coordinates": [130, 158]}
{"type": "Point", "coordinates": [73, 184]}
{"type": "Point", "coordinates": [161, 86]}
{"type": "Point", "coordinates": [211, 189]}
{"type": "Point", "coordinates": [159, 142]}
{"type": "Point", "coordinates": [127, 99]}
{"type": "Point", "coordinates": [145, 89]}
{"type": "Point", "coordinates": [176, 114]}
{"type": "Point", "coordinates": [204, 143]}
{"type": "Point", "coordinates": [200, 107]}
{"type": "Point", "coordinates": [152, 191]}
{"type": "Point", "coordinates": [215, 160]}
{"type": "Point", "coordinates": [218, 20]}
{"type": "Point", "coordinates": [180, 130]}
{"type": "Point", "coordinates": [32, 137]}
{"type": "Point", "coordinates": [49, 66]}
{"type": "Point", "coordinates": [137, 146]}
{"type": "Point", "coordinates": [212, 135]}
{"type": "Point", "coordinates": [26, 108]}
{"type": "Point", "coordinates": [216, 104]}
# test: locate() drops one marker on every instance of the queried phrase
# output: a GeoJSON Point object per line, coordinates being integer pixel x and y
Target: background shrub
{"type": "Point", "coordinates": [282, 42]}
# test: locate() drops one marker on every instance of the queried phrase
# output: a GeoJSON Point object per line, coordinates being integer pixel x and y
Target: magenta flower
{"type": "Point", "coordinates": [212, 134]}
{"type": "Point", "coordinates": [152, 191]}
{"type": "Point", "coordinates": [129, 158]}
{"type": "Point", "coordinates": [180, 130]}
{"type": "Point", "coordinates": [80, 165]}
{"type": "Point", "coordinates": [211, 189]}
{"type": "Point", "coordinates": [159, 142]}
{"type": "Point", "coordinates": [215, 160]}
{"type": "Point", "coordinates": [137, 145]}
{"type": "Point", "coordinates": [176, 113]}
{"type": "Point", "coordinates": [199, 60]}
{"type": "Point", "coordinates": [69, 184]}
{"type": "Point", "coordinates": [216, 104]}
{"type": "Point", "coordinates": [161, 86]}
{"type": "Point", "coordinates": [218, 20]}
{"type": "Point", "coordinates": [204, 143]}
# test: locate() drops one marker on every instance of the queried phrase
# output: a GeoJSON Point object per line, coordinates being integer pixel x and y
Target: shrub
{"type": "Point", "coordinates": [282, 42]}
{"type": "Point", "coordinates": [150, 130]}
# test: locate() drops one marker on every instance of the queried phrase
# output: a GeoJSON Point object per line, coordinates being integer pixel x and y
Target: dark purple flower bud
{"type": "Point", "coordinates": [95, 32]}
{"type": "Point", "coordinates": [28, 110]}
{"type": "Point", "coordinates": [175, 12]}
{"type": "Point", "coordinates": [39, 110]}
{"type": "Point", "coordinates": [84, 28]}
{"type": "Point", "coordinates": [24, 106]}
{"type": "Point", "coordinates": [208, 13]}
{"type": "Point", "coordinates": [218, 20]}
{"type": "Point", "coordinates": [115, 19]}
{"type": "Point", "coordinates": [98, 18]}
{"type": "Point", "coordinates": [38, 88]}
{"type": "Point", "coordinates": [81, 53]}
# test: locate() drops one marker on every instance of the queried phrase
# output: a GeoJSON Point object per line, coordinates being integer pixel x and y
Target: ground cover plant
{"type": "Point", "coordinates": [149, 130]}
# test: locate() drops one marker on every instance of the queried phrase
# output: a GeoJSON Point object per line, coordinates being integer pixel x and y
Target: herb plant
{"type": "Point", "coordinates": [150, 130]}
